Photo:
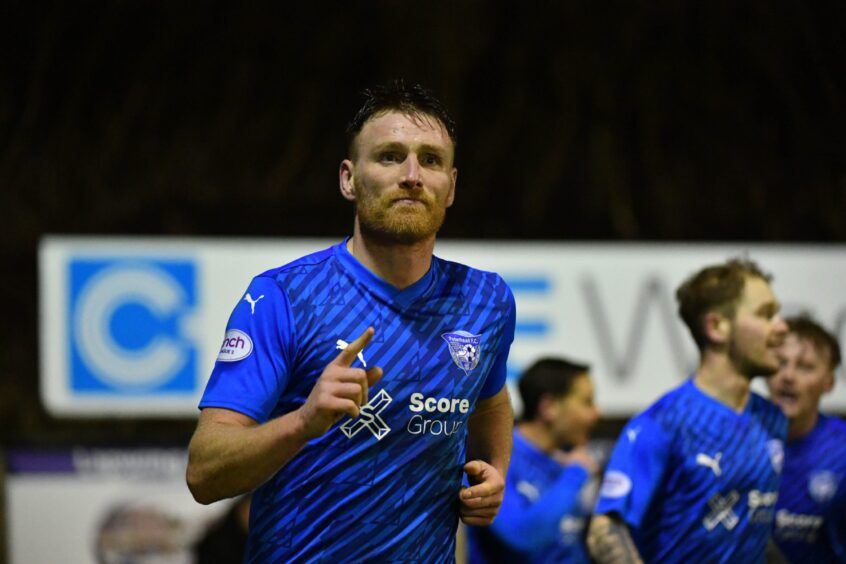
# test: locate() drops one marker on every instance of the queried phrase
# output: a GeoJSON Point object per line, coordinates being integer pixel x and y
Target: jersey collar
{"type": "Point", "coordinates": [377, 285]}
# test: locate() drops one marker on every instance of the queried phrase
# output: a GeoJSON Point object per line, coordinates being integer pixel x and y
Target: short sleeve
{"type": "Point", "coordinates": [499, 370]}
{"type": "Point", "coordinates": [634, 471]}
{"type": "Point", "coordinates": [256, 355]}
{"type": "Point", "coordinates": [532, 525]}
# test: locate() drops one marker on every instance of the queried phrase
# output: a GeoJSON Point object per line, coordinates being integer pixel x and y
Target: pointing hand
{"type": "Point", "coordinates": [340, 390]}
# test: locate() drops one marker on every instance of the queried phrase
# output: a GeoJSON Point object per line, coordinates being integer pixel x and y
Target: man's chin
{"type": "Point", "coordinates": [790, 411]}
{"type": "Point", "coordinates": [402, 231]}
{"type": "Point", "coordinates": [764, 370]}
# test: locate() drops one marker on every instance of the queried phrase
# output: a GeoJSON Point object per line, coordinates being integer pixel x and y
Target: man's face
{"type": "Point", "coordinates": [402, 177]}
{"type": "Point", "coordinates": [804, 376]}
{"type": "Point", "coordinates": [757, 330]}
{"type": "Point", "coordinates": [574, 415]}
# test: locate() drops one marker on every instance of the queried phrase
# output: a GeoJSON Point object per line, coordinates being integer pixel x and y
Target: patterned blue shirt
{"type": "Point", "coordinates": [541, 518]}
{"type": "Point", "coordinates": [385, 485]}
{"type": "Point", "coordinates": [811, 507]}
{"type": "Point", "coordinates": [695, 480]}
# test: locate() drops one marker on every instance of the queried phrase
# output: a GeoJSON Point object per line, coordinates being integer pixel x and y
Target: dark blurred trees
{"type": "Point", "coordinates": [656, 121]}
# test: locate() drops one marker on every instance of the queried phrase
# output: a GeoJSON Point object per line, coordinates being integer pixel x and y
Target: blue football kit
{"type": "Point", "coordinates": [696, 481]}
{"type": "Point", "coordinates": [541, 518]}
{"type": "Point", "coordinates": [810, 524]}
{"type": "Point", "coordinates": [383, 486]}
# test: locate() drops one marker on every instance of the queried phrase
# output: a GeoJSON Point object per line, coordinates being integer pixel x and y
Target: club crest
{"type": "Point", "coordinates": [776, 449]}
{"type": "Point", "coordinates": [464, 349]}
{"type": "Point", "coordinates": [822, 485]}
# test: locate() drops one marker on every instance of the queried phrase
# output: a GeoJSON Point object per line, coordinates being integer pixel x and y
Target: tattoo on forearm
{"type": "Point", "coordinates": [609, 542]}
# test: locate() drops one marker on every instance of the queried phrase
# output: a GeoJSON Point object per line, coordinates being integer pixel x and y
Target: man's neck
{"type": "Point", "coordinates": [397, 264]}
{"type": "Point", "coordinates": [718, 378]}
{"type": "Point", "coordinates": [537, 435]}
{"type": "Point", "coordinates": [802, 425]}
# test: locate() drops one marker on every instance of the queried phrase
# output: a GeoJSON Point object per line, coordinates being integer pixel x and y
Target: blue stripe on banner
{"type": "Point", "coordinates": [531, 327]}
{"type": "Point", "coordinates": [528, 284]}
{"type": "Point", "coordinates": [513, 371]}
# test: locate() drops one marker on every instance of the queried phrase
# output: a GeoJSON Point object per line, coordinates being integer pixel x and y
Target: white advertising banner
{"type": "Point", "coordinates": [103, 506]}
{"type": "Point", "coordinates": [133, 325]}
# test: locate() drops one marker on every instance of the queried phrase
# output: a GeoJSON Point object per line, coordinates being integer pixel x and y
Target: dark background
{"type": "Point", "coordinates": [659, 121]}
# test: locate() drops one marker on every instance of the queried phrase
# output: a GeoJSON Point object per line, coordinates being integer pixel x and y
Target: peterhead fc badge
{"type": "Point", "coordinates": [464, 349]}
{"type": "Point", "coordinates": [822, 485]}
{"type": "Point", "coordinates": [776, 449]}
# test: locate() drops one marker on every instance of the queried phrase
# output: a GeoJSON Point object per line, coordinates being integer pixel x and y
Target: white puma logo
{"type": "Point", "coordinates": [341, 344]}
{"type": "Point", "coordinates": [252, 302]}
{"type": "Point", "coordinates": [632, 434]}
{"type": "Point", "coordinates": [712, 463]}
{"type": "Point", "coordinates": [528, 489]}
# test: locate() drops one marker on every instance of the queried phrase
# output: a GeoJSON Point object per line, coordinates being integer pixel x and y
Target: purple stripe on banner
{"type": "Point", "coordinates": [40, 461]}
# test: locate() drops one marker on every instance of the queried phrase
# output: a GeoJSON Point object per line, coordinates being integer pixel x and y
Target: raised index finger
{"type": "Point", "coordinates": [347, 356]}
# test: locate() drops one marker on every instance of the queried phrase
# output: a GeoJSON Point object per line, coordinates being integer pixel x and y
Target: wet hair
{"type": "Point", "coordinates": [414, 100]}
{"type": "Point", "coordinates": [547, 376]}
{"type": "Point", "coordinates": [807, 329]}
{"type": "Point", "coordinates": [714, 288]}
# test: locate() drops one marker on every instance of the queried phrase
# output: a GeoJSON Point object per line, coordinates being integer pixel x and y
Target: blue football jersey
{"type": "Point", "coordinates": [383, 486]}
{"type": "Point", "coordinates": [541, 519]}
{"type": "Point", "coordinates": [695, 480]}
{"type": "Point", "coordinates": [811, 507]}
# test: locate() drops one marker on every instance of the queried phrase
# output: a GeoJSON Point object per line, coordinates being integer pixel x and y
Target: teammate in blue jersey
{"type": "Point", "coordinates": [810, 521]}
{"type": "Point", "coordinates": [356, 387]}
{"type": "Point", "coordinates": [695, 477]}
{"type": "Point", "coordinates": [543, 517]}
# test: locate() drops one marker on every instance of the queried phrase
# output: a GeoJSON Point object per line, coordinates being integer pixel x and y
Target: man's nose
{"type": "Point", "coordinates": [785, 373]}
{"type": "Point", "coordinates": [411, 172]}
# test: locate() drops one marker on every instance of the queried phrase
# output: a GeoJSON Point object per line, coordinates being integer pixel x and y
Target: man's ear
{"type": "Point", "coordinates": [717, 327]}
{"type": "Point", "coordinates": [451, 195]}
{"type": "Point", "coordinates": [829, 381]}
{"type": "Point", "coordinates": [346, 179]}
{"type": "Point", "coordinates": [546, 407]}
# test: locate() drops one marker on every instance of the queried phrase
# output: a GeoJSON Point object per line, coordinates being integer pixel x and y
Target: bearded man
{"type": "Point", "coordinates": [695, 477]}
{"type": "Point", "coordinates": [359, 455]}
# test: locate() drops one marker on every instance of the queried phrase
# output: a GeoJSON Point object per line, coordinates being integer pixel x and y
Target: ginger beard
{"type": "Point", "coordinates": [755, 362]}
{"type": "Point", "coordinates": [757, 332]}
{"type": "Point", "coordinates": [392, 217]}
